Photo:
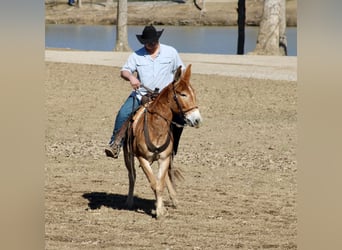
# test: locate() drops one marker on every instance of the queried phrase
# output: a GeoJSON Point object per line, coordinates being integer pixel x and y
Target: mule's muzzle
{"type": "Point", "coordinates": [194, 119]}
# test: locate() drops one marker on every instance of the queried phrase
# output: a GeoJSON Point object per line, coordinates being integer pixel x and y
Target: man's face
{"type": "Point", "coordinates": [152, 46]}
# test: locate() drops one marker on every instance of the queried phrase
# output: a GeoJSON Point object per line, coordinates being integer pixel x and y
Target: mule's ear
{"type": "Point", "coordinates": [178, 74]}
{"type": "Point", "coordinates": [187, 73]}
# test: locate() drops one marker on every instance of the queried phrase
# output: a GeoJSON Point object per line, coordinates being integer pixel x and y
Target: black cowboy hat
{"type": "Point", "coordinates": [149, 34]}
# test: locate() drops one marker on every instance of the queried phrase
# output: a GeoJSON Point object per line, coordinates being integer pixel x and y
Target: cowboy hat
{"type": "Point", "coordinates": [149, 34]}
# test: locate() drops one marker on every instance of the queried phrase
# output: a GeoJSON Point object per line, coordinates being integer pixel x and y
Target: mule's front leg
{"type": "Point", "coordinates": [161, 179]}
{"type": "Point", "coordinates": [145, 165]}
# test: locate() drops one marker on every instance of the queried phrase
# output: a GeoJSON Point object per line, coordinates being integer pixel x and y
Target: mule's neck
{"type": "Point", "coordinates": [161, 105]}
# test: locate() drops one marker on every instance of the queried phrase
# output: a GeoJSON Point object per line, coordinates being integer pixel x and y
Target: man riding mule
{"type": "Point", "coordinates": [149, 136]}
{"type": "Point", "coordinates": [154, 65]}
{"type": "Point", "coordinates": [151, 132]}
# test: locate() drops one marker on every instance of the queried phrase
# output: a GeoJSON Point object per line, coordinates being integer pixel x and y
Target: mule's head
{"type": "Point", "coordinates": [185, 98]}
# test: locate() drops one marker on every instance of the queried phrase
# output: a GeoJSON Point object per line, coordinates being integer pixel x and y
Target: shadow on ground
{"type": "Point", "coordinates": [117, 201]}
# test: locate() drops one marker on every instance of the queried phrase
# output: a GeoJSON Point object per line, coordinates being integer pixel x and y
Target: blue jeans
{"type": "Point", "coordinates": [130, 105]}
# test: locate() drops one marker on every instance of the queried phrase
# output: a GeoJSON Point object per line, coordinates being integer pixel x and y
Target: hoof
{"type": "Point", "coordinates": [174, 203]}
{"type": "Point", "coordinates": [161, 212]}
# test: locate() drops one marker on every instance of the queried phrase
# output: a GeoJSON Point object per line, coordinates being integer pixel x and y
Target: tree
{"type": "Point", "coordinates": [121, 27]}
{"type": "Point", "coordinates": [271, 37]}
{"type": "Point", "coordinates": [241, 26]}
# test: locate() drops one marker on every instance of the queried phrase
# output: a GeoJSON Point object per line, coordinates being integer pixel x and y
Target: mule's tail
{"type": "Point", "coordinates": [177, 173]}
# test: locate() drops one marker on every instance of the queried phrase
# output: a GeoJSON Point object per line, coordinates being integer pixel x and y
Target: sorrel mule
{"type": "Point", "coordinates": [149, 137]}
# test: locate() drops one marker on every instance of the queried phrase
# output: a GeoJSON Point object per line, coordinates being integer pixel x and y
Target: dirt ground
{"type": "Point", "coordinates": [240, 167]}
{"type": "Point", "coordinates": [217, 13]}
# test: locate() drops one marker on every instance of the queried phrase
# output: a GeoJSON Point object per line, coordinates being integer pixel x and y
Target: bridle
{"type": "Point", "coordinates": [181, 111]}
{"type": "Point", "coordinates": [152, 148]}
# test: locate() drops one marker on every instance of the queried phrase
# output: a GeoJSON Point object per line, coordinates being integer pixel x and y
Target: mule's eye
{"type": "Point", "coordinates": [182, 94]}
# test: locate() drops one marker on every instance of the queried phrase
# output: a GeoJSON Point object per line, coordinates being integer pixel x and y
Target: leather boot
{"type": "Point", "coordinates": [113, 150]}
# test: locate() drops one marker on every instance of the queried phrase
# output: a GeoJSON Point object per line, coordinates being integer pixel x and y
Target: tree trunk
{"type": "Point", "coordinates": [241, 26]}
{"type": "Point", "coordinates": [271, 37]}
{"type": "Point", "coordinates": [121, 27]}
{"type": "Point", "coordinates": [282, 29]}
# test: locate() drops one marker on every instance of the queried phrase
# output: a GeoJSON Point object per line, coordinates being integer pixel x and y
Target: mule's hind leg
{"type": "Point", "coordinates": [171, 189]}
{"type": "Point", "coordinates": [131, 178]}
{"type": "Point", "coordinates": [129, 162]}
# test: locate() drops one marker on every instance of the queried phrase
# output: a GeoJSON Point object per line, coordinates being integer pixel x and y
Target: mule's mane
{"type": "Point", "coordinates": [163, 94]}
{"type": "Point", "coordinates": [165, 91]}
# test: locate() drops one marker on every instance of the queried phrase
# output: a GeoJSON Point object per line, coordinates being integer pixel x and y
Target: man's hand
{"type": "Point", "coordinates": [135, 83]}
{"type": "Point", "coordinates": [128, 76]}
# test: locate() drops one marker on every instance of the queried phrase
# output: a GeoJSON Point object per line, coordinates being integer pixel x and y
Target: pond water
{"type": "Point", "coordinates": [186, 39]}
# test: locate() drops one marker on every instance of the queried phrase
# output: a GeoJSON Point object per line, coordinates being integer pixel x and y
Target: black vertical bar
{"type": "Point", "coordinates": [241, 26]}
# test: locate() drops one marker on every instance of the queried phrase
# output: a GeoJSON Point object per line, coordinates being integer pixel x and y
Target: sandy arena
{"type": "Point", "coordinates": [240, 167]}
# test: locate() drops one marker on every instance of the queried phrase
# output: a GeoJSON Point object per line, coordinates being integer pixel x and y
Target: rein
{"type": "Point", "coordinates": [170, 121]}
